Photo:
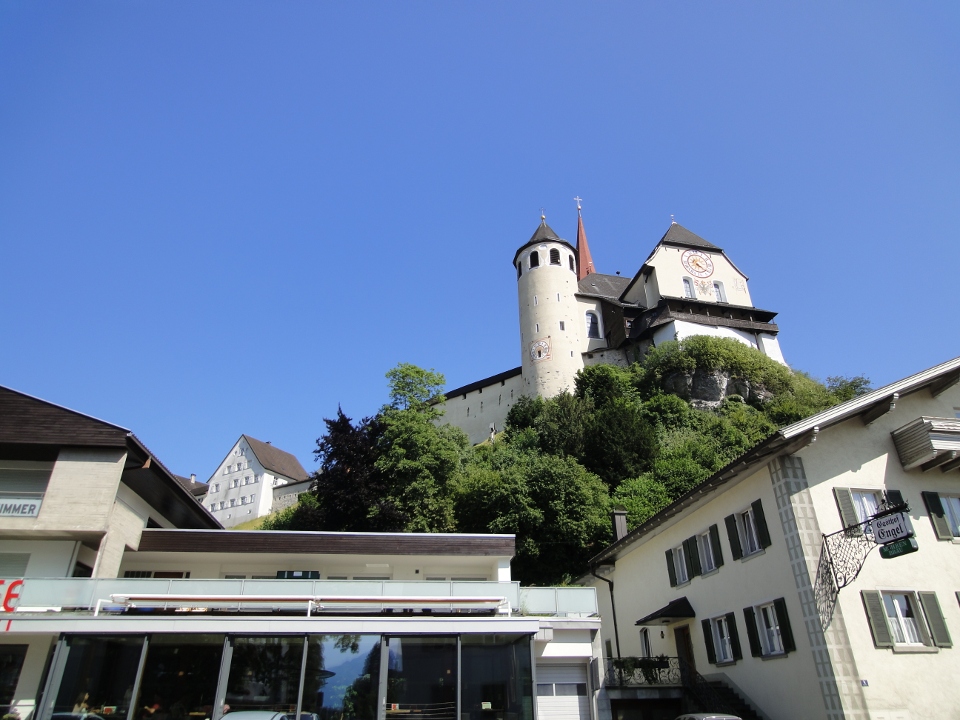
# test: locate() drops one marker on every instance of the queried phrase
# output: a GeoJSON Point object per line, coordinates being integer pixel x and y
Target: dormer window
{"type": "Point", "coordinates": [554, 256]}
{"type": "Point", "coordinates": [534, 259]}
{"type": "Point", "coordinates": [688, 288]}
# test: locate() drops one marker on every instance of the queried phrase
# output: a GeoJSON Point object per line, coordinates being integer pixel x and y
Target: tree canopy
{"type": "Point", "coordinates": [632, 437]}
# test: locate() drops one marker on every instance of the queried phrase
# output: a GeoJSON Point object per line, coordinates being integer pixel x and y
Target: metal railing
{"type": "Point", "coordinates": [91, 594]}
{"type": "Point", "coordinates": [663, 671]}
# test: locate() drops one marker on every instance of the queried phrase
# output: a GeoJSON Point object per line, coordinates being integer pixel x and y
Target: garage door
{"type": "Point", "coordinates": [562, 692]}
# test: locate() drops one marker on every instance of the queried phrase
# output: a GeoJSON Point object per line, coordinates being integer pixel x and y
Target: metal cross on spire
{"type": "Point", "coordinates": [578, 200]}
{"type": "Point", "coordinates": [673, 220]}
{"type": "Point", "coordinates": [543, 215]}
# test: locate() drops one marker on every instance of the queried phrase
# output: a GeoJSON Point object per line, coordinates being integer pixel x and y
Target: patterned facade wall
{"type": "Point", "coordinates": [833, 655]}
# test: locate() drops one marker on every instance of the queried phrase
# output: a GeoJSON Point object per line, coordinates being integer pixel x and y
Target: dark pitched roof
{"type": "Point", "coordinates": [28, 420]}
{"type": "Point", "coordinates": [679, 609]}
{"type": "Point", "coordinates": [492, 380]}
{"type": "Point", "coordinates": [277, 460]}
{"type": "Point", "coordinates": [677, 234]}
{"type": "Point", "coordinates": [543, 233]}
{"type": "Point", "coordinates": [606, 286]}
{"type": "Point", "coordinates": [194, 487]}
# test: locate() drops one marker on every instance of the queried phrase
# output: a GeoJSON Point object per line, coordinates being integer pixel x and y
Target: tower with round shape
{"type": "Point", "coordinates": [550, 327]}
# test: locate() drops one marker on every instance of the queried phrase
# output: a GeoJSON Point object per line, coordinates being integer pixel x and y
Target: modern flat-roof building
{"type": "Point", "coordinates": [120, 595]}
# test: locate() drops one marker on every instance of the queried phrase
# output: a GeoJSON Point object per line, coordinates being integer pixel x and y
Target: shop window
{"type": "Point", "coordinates": [264, 674]}
{"type": "Point", "coordinates": [747, 531]}
{"type": "Point", "coordinates": [180, 676]}
{"type": "Point", "coordinates": [11, 663]}
{"type": "Point", "coordinates": [554, 256]}
{"type": "Point", "coordinates": [98, 674]}
{"type": "Point", "coordinates": [422, 676]}
{"type": "Point", "coordinates": [497, 676]}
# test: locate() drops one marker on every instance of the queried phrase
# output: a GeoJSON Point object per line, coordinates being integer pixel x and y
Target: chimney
{"type": "Point", "coordinates": [193, 478]}
{"type": "Point", "coordinates": [619, 520]}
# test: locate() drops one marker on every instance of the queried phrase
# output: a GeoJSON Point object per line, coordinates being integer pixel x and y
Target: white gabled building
{"type": "Point", "coordinates": [766, 580]}
{"type": "Point", "coordinates": [251, 481]}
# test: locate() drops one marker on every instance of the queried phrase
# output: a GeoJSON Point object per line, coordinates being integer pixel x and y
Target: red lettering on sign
{"type": "Point", "coordinates": [12, 594]}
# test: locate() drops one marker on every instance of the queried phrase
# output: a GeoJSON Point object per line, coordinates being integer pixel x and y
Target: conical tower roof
{"type": "Point", "coordinates": [543, 233]}
{"type": "Point", "coordinates": [584, 259]}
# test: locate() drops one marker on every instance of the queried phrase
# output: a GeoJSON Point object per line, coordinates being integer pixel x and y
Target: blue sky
{"type": "Point", "coordinates": [223, 218]}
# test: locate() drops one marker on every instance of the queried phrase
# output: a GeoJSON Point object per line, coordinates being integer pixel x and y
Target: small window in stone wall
{"type": "Point", "coordinates": [554, 256]}
{"type": "Point", "coordinates": [534, 259]}
{"type": "Point", "coordinates": [572, 266]}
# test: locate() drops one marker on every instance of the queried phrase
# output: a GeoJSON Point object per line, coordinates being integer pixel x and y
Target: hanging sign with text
{"type": "Point", "coordinates": [898, 548]}
{"type": "Point", "coordinates": [890, 528]}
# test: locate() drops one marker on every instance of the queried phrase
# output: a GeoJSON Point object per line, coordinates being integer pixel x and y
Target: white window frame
{"type": "Point", "coordinates": [905, 624]}
{"type": "Point", "coordinates": [707, 562]}
{"type": "Point", "coordinates": [719, 293]}
{"type": "Point", "coordinates": [596, 317]}
{"type": "Point", "coordinates": [689, 291]}
{"type": "Point", "coordinates": [216, 487]}
{"type": "Point", "coordinates": [680, 564]}
{"type": "Point", "coordinates": [862, 505]}
{"type": "Point", "coordinates": [747, 529]}
{"type": "Point", "coordinates": [722, 643]}
{"type": "Point", "coordinates": [771, 639]}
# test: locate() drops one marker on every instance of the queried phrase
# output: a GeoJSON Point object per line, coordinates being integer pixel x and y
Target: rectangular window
{"type": "Point", "coordinates": [770, 640]}
{"type": "Point", "coordinates": [243, 500]}
{"type": "Point", "coordinates": [705, 546]}
{"type": "Point", "coordinates": [137, 573]}
{"type": "Point", "coordinates": [680, 564]}
{"type": "Point", "coordinates": [747, 529]}
{"type": "Point", "coordinates": [561, 325]}
{"type": "Point", "coordinates": [902, 617]}
{"type": "Point", "coordinates": [11, 663]}
{"type": "Point", "coordinates": [216, 487]}
{"type": "Point", "coordinates": [222, 505]}
{"type": "Point", "coordinates": [866, 502]}
{"type": "Point", "coordinates": [951, 510]}
{"type": "Point", "coordinates": [721, 639]}
{"type": "Point", "coordinates": [253, 497]}
{"type": "Point", "coordinates": [233, 502]}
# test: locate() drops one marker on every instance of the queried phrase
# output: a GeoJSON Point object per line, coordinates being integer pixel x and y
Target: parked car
{"type": "Point", "coordinates": [708, 716]}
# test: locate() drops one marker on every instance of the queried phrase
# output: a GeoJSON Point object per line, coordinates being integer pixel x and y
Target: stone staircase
{"type": "Point", "coordinates": [733, 701]}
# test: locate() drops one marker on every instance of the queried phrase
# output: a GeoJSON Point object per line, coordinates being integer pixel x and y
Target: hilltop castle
{"type": "Point", "coordinates": [572, 316]}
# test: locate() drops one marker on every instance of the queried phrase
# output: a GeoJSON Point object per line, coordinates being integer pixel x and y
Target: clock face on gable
{"type": "Point", "coordinates": [697, 263]}
{"type": "Point", "coordinates": [540, 350]}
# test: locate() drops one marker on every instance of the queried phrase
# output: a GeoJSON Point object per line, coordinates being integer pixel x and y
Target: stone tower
{"type": "Point", "coordinates": [551, 336]}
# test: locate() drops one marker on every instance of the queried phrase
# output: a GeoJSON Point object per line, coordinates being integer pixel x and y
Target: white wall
{"type": "Point", "coordinates": [48, 558]}
{"type": "Point", "coordinates": [482, 407]}
{"type": "Point", "coordinates": [669, 273]}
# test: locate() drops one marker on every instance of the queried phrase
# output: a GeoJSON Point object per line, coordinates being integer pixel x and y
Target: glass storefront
{"type": "Point", "coordinates": [323, 677]}
{"type": "Point", "coordinates": [11, 662]}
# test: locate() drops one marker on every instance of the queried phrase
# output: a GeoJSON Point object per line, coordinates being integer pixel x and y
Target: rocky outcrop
{"type": "Point", "coordinates": [708, 388]}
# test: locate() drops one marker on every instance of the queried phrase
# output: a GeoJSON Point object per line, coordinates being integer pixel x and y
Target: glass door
{"type": "Point", "coordinates": [419, 678]}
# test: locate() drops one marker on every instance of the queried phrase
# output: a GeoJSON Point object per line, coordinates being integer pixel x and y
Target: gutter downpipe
{"type": "Point", "coordinates": [613, 607]}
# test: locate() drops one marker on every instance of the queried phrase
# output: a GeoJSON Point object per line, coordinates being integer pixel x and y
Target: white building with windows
{"type": "Point", "coordinates": [254, 479]}
{"type": "Point", "coordinates": [572, 316]}
{"type": "Point", "coordinates": [767, 579]}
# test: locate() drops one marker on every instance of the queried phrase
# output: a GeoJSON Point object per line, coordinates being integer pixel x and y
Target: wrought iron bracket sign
{"type": "Point", "coordinates": [844, 552]}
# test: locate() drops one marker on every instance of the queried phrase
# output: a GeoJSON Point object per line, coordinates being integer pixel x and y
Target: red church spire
{"type": "Point", "coordinates": [584, 261]}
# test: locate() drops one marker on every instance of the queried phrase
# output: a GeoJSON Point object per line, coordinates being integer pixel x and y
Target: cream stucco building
{"type": "Point", "coordinates": [572, 316]}
{"type": "Point", "coordinates": [767, 580]}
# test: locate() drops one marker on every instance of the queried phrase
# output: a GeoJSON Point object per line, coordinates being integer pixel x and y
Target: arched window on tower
{"type": "Point", "coordinates": [572, 266]}
{"type": "Point", "coordinates": [534, 259]}
{"type": "Point", "coordinates": [519, 269]}
{"type": "Point", "coordinates": [688, 288]}
{"type": "Point", "coordinates": [554, 256]}
{"type": "Point", "coordinates": [718, 292]}
{"type": "Point", "coordinates": [593, 326]}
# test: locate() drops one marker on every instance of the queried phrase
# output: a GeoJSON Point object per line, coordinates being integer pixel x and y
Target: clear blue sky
{"type": "Point", "coordinates": [223, 218]}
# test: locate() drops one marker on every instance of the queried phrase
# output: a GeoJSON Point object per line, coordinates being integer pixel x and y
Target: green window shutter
{"type": "Point", "coordinates": [708, 641]}
{"type": "Point", "coordinates": [670, 569]}
{"type": "Point", "coordinates": [693, 557]}
{"type": "Point", "coordinates": [940, 525]}
{"type": "Point", "coordinates": [938, 626]}
{"type": "Point", "coordinates": [877, 618]}
{"type": "Point", "coordinates": [783, 620]}
{"type": "Point", "coordinates": [894, 497]}
{"type": "Point", "coordinates": [715, 544]}
{"type": "Point", "coordinates": [750, 621]}
{"type": "Point", "coordinates": [733, 536]}
{"type": "Point", "coordinates": [734, 636]}
{"type": "Point", "coordinates": [848, 513]}
{"type": "Point", "coordinates": [763, 534]}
